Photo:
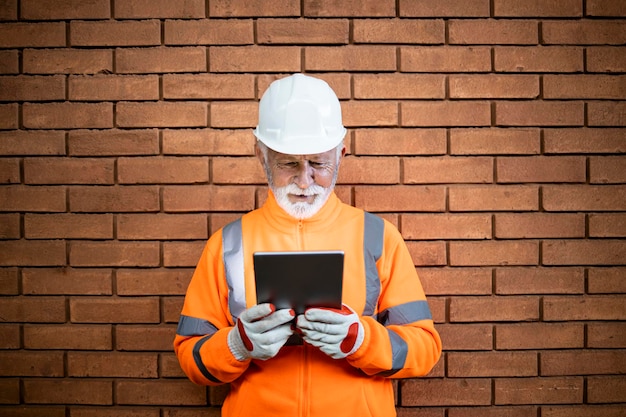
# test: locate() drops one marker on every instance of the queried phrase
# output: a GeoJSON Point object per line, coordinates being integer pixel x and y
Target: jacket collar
{"type": "Point", "coordinates": [280, 219]}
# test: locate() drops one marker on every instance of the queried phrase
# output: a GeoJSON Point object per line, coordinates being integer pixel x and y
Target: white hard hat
{"type": "Point", "coordinates": [300, 115]}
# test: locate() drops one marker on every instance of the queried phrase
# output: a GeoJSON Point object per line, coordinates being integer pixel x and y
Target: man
{"type": "Point", "coordinates": [347, 358]}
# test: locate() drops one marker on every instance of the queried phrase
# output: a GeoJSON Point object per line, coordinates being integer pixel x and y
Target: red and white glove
{"type": "Point", "coordinates": [260, 332]}
{"type": "Point", "coordinates": [337, 333]}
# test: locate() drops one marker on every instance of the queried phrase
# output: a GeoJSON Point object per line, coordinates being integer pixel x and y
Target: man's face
{"type": "Point", "coordinates": [301, 183]}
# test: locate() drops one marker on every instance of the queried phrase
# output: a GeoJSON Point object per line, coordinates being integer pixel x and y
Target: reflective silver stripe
{"type": "Point", "coordinates": [399, 350]}
{"type": "Point", "coordinates": [372, 250]}
{"type": "Point", "coordinates": [192, 326]}
{"type": "Point", "coordinates": [198, 360]}
{"type": "Point", "coordinates": [406, 313]}
{"type": "Point", "coordinates": [232, 244]}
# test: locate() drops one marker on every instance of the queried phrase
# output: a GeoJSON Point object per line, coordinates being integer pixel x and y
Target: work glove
{"type": "Point", "coordinates": [260, 332]}
{"type": "Point", "coordinates": [337, 333]}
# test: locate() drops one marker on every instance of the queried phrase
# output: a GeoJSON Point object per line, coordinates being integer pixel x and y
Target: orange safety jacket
{"type": "Point", "coordinates": [380, 283]}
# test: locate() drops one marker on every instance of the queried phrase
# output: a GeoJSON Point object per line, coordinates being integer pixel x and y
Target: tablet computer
{"type": "Point", "coordinates": [299, 280]}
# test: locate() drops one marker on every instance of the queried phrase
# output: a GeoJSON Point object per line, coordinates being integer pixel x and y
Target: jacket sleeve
{"type": "Point", "coordinates": [402, 341]}
{"type": "Point", "coordinates": [201, 342]}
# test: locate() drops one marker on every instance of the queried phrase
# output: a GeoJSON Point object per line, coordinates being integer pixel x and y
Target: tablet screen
{"type": "Point", "coordinates": [299, 280]}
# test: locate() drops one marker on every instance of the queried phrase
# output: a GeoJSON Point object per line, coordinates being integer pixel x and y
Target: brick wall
{"type": "Point", "coordinates": [491, 132]}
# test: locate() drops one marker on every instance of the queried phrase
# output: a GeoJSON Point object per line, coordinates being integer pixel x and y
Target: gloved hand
{"type": "Point", "coordinates": [337, 333]}
{"type": "Point", "coordinates": [260, 332]}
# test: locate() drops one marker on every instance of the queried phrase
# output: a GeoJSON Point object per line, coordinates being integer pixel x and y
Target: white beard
{"type": "Point", "coordinates": [301, 210]}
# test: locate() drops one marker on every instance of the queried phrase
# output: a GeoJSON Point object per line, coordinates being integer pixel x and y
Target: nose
{"type": "Point", "coordinates": [304, 178]}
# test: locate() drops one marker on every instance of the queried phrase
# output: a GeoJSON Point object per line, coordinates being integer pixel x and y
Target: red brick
{"type": "Point", "coordinates": [10, 171]}
{"type": "Point", "coordinates": [381, 141]}
{"type": "Point", "coordinates": [494, 198]}
{"type": "Point", "coordinates": [207, 198]}
{"type": "Point", "coordinates": [400, 198]}
{"type": "Point", "coordinates": [452, 8]}
{"type": "Point", "coordinates": [606, 280]}
{"type": "Point", "coordinates": [494, 141]}
{"type": "Point", "coordinates": [583, 32]}
{"type": "Point", "coordinates": [539, 281]}
{"type": "Point", "coordinates": [160, 60]}
{"type": "Point", "coordinates": [445, 59]}
{"type": "Point", "coordinates": [606, 335]}
{"type": "Point", "coordinates": [399, 86]}
{"type": "Point", "coordinates": [169, 366]}
{"type": "Point", "coordinates": [438, 308]}
{"type": "Point", "coordinates": [161, 114]}
{"type": "Point", "coordinates": [32, 309]}
{"type": "Point", "coordinates": [68, 336]}
{"type": "Point", "coordinates": [65, 9]}
{"type": "Point", "coordinates": [454, 281]}
{"type": "Point", "coordinates": [116, 33]}
{"type": "Point", "coordinates": [32, 88]}
{"type": "Point", "coordinates": [141, 338]}
{"type": "Point", "coordinates": [583, 411]}
{"type": "Point", "coordinates": [162, 170]}
{"type": "Point", "coordinates": [609, 113]}
{"type": "Point", "coordinates": [10, 394]}
{"type": "Point", "coordinates": [583, 197]}
{"type": "Point", "coordinates": [171, 308]}
{"type": "Point", "coordinates": [67, 61]}
{"type": "Point", "coordinates": [582, 362]}
{"type": "Point", "coordinates": [114, 199]}
{"type": "Point", "coordinates": [9, 10]}
{"type": "Point", "coordinates": [247, 170]}
{"type": "Point", "coordinates": [182, 254]}
{"type": "Point", "coordinates": [112, 365]}
{"type": "Point", "coordinates": [9, 62]}
{"type": "Point", "coordinates": [518, 336]}
{"type": "Point", "coordinates": [584, 87]}
{"type": "Point", "coordinates": [234, 114]}
{"type": "Point", "coordinates": [490, 32]}
{"type": "Point", "coordinates": [605, 8]}
{"type": "Point", "coordinates": [494, 86]}
{"type": "Point", "coordinates": [491, 364]}
{"type": "Point", "coordinates": [32, 253]}
{"type": "Point", "coordinates": [166, 392]}
{"type": "Point", "coordinates": [208, 32]}
{"type": "Point", "coordinates": [208, 86]}
{"type": "Point", "coordinates": [445, 113]}
{"type": "Point", "coordinates": [341, 83]}
{"type": "Point", "coordinates": [9, 116]}
{"type": "Point", "coordinates": [368, 170]}
{"type": "Point", "coordinates": [245, 8]}
{"type": "Point", "coordinates": [67, 115]}
{"type": "Point", "coordinates": [427, 253]}
{"type": "Point", "coordinates": [37, 35]}
{"type": "Point", "coordinates": [68, 391]}
{"type": "Point", "coordinates": [588, 308]}
{"type": "Point", "coordinates": [161, 226]}
{"type": "Point", "coordinates": [607, 225]}
{"type": "Point", "coordinates": [606, 59]}
{"type": "Point", "coordinates": [254, 59]}
{"type": "Point", "coordinates": [219, 220]}
{"type": "Point", "coordinates": [536, 169]}
{"type": "Point", "coordinates": [106, 411]}
{"type": "Point", "coordinates": [466, 336]}
{"type": "Point", "coordinates": [25, 142]}
{"type": "Point", "coordinates": [460, 391]}
{"type": "Point", "coordinates": [350, 58]}
{"type": "Point", "coordinates": [584, 252]}
{"type": "Point", "coordinates": [32, 411]}
{"type": "Point", "coordinates": [370, 113]}
{"type": "Point", "coordinates": [447, 170]}
{"type": "Point", "coordinates": [351, 8]}
{"type": "Point", "coordinates": [540, 113]}
{"type": "Point", "coordinates": [563, 8]}
{"type": "Point", "coordinates": [539, 390]}
{"type": "Point", "coordinates": [68, 171]}
{"type": "Point", "coordinates": [208, 142]}
{"type": "Point", "coordinates": [112, 253]}
{"type": "Point", "coordinates": [9, 282]}
{"type": "Point", "coordinates": [538, 59]}
{"type": "Point", "coordinates": [476, 309]}
{"type": "Point", "coordinates": [606, 170]}
{"type": "Point", "coordinates": [559, 141]}
{"type": "Point", "coordinates": [606, 389]}
{"type": "Point", "coordinates": [113, 142]}
{"type": "Point", "coordinates": [160, 9]}
{"type": "Point", "coordinates": [493, 411]}
{"type": "Point", "coordinates": [405, 31]}
{"type": "Point", "coordinates": [446, 226]}
{"type": "Point", "coordinates": [302, 31]}
{"type": "Point", "coordinates": [25, 363]}
{"type": "Point", "coordinates": [153, 282]}
{"type": "Point", "coordinates": [66, 281]}
{"type": "Point", "coordinates": [113, 88]}
{"type": "Point", "coordinates": [114, 310]}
